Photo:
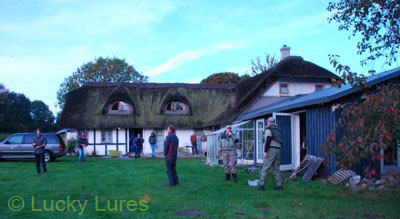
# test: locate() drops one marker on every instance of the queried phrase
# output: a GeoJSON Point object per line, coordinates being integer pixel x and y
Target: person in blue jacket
{"type": "Point", "coordinates": [171, 145]}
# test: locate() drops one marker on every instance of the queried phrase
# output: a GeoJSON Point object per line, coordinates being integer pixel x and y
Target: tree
{"type": "Point", "coordinates": [257, 67]}
{"type": "Point", "coordinates": [224, 78]}
{"type": "Point", "coordinates": [42, 117]}
{"type": "Point", "coordinates": [377, 21]}
{"type": "Point", "coordinates": [371, 123]}
{"type": "Point", "coordinates": [99, 70]}
{"type": "Point", "coordinates": [15, 113]}
{"type": "Point", "coordinates": [3, 91]}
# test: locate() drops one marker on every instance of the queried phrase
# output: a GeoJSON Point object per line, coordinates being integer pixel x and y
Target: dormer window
{"type": "Point", "coordinates": [283, 88]}
{"type": "Point", "coordinates": [120, 107]}
{"type": "Point", "coordinates": [176, 107]}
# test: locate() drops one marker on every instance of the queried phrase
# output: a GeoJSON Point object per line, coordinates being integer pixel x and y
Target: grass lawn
{"type": "Point", "coordinates": [202, 189]}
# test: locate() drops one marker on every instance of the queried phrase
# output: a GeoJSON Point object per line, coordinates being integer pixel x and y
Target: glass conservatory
{"type": "Point", "coordinates": [246, 151]}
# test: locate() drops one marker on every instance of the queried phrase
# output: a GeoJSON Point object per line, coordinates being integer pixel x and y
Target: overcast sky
{"type": "Point", "coordinates": [42, 42]}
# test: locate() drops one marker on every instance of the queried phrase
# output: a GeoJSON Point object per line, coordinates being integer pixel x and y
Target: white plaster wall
{"type": "Point", "coordinates": [182, 134]}
{"type": "Point", "coordinates": [100, 148]}
{"type": "Point", "coordinates": [71, 135]}
{"type": "Point", "coordinates": [295, 88]}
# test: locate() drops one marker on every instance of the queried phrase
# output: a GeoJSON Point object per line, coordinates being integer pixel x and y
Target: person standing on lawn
{"type": "Point", "coordinates": [82, 144]}
{"type": "Point", "coordinates": [152, 141]}
{"type": "Point", "coordinates": [227, 146]}
{"type": "Point", "coordinates": [193, 141]}
{"type": "Point", "coordinates": [272, 151]}
{"type": "Point", "coordinates": [138, 141]}
{"type": "Point", "coordinates": [171, 145]}
{"type": "Point", "coordinates": [39, 144]}
{"type": "Point", "coordinates": [204, 143]}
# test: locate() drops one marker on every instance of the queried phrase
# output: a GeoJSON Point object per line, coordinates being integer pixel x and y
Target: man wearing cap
{"type": "Point", "coordinates": [227, 146]}
{"type": "Point", "coordinates": [82, 143]}
{"type": "Point", "coordinates": [272, 151]}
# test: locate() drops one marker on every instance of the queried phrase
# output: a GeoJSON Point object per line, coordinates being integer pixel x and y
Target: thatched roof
{"type": "Point", "coordinates": [209, 104]}
{"type": "Point", "coordinates": [249, 90]}
{"type": "Point", "coordinates": [85, 107]}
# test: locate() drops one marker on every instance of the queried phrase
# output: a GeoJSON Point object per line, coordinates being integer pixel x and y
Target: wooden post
{"type": "Point", "coordinates": [117, 137]}
{"type": "Point", "coordinates": [94, 140]}
{"type": "Point", "coordinates": [126, 141]}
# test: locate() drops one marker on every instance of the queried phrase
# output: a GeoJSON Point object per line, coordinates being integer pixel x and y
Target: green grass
{"type": "Point", "coordinates": [202, 188]}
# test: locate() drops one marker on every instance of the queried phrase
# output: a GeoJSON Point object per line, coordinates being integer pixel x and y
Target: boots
{"type": "Point", "coordinates": [227, 177]}
{"type": "Point", "coordinates": [234, 177]}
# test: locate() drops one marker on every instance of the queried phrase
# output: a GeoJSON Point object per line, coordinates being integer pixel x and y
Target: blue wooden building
{"type": "Point", "coordinates": [306, 120]}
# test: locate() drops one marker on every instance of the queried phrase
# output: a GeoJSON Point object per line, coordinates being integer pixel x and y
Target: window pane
{"type": "Point", "coordinates": [124, 106]}
{"type": "Point", "coordinates": [284, 89]}
{"type": "Point", "coordinates": [29, 139]}
{"type": "Point", "coordinates": [115, 106]}
{"type": "Point", "coordinates": [16, 139]}
{"type": "Point", "coordinates": [51, 139]}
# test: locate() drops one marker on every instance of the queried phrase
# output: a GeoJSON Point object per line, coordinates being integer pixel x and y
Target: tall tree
{"type": "Point", "coordinates": [258, 67]}
{"type": "Point", "coordinates": [15, 113]}
{"type": "Point", "coordinates": [224, 78]}
{"type": "Point", "coordinates": [99, 70]}
{"type": "Point", "coordinates": [372, 123]}
{"type": "Point", "coordinates": [42, 117]}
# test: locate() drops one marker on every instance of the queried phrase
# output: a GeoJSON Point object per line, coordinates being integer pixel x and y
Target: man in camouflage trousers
{"type": "Point", "coordinates": [227, 146]}
{"type": "Point", "coordinates": [272, 151]}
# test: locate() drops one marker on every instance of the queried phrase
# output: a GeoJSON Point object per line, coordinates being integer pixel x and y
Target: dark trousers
{"type": "Point", "coordinates": [39, 158]}
{"type": "Point", "coordinates": [171, 171]}
{"type": "Point", "coordinates": [138, 151]}
{"type": "Point", "coordinates": [195, 148]}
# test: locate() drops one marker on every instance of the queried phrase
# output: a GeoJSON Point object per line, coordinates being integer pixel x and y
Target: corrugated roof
{"type": "Point", "coordinates": [319, 97]}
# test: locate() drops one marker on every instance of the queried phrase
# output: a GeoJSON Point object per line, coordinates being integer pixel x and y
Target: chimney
{"type": "Point", "coordinates": [285, 52]}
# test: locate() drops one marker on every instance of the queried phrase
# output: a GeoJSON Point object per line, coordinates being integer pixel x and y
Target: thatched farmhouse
{"type": "Point", "coordinates": [111, 112]}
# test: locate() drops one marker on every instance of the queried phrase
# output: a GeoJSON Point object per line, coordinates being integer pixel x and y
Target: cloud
{"type": "Point", "coordinates": [189, 55]}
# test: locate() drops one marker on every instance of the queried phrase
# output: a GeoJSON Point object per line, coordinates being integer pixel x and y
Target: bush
{"type": "Point", "coordinates": [71, 145]}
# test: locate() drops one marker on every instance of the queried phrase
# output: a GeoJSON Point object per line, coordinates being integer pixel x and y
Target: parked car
{"type": "Point", "coordinates": [19, 145]}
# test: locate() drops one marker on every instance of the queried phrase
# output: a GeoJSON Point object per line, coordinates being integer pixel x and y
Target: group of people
{"type": "Point", "coordinates": [272, 147]}
{"type": "Point", "coordinates": [193, 141]}
{"type": "Point", "coordinates": [136, 144]}
{"type": "Point", "coordinates": [227, 148]}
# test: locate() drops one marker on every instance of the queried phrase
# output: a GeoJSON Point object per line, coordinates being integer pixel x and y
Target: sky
{"type": "Point", "coordinates": [43, 42]}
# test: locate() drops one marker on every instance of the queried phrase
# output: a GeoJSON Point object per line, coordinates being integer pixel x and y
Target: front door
{"type": "Point", "coordinates": [260, 140]}
{"type": "Point", "coordinates": [285, 123]}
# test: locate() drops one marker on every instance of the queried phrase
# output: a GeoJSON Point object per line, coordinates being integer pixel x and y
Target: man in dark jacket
{"type": "Point", "coordinates": [171, 145]}
{"type": "Point", "coordinates": [138, 142]}
{"type": "Point", "coordinates": [152, 142]}
{"type": "Point", "coordinates": [82, 144]}
{"type": "Point", "coordinates": [39, 143]}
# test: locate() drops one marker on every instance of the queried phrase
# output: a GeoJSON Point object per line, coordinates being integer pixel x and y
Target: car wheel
{"type": "Point", "coordinates": [48, 156]}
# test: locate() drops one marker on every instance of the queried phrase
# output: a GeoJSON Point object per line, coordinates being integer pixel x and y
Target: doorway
{"type": "Point", "coordinates": [260, 129]}
{"type": "Point", "coordinates": [286, 124]}
{"type": "Point", "coordinates": [133, 132]}
{"type": "Point", "coordinates": [303, 131]}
